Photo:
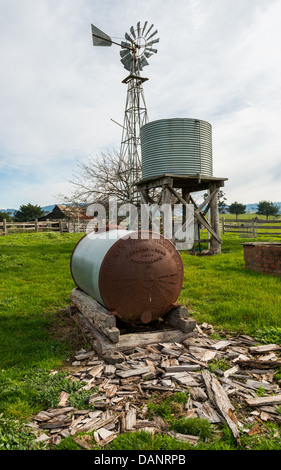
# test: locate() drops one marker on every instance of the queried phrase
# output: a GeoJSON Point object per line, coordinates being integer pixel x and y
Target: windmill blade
{"type": "Point", "coordinates": [147, 54]}
{"type": "Point", "coordinates": [128, 37]}
{"type": "Point", "coordinates": [133, 31]}
{"type": "Point", "coordinates": [138, 28]}
{"type": "Point", "coordinates": [145, 24]}
{"type": "Point", "coordinates": [124, 53]}
{"type": "Point", "coordinates": [152, 50]}
{"type": "Point", "coordinates": [153, 34]}
{"type": "Point", "coordinates": [152, 42]}
{"type": "Point", "coordinates": [100, 38]}
{"type": "Point", "coordinates": [149, 29]}
{"type": "Point", "coordinates": [126, 45]}
{"type": "Point", "coordinates": [127, 62]}
{"type": "Point", "coordinates": [143, 62]}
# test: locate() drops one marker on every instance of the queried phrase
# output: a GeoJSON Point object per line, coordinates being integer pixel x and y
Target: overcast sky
{"type": "Point", "coordinates": [217, 60]}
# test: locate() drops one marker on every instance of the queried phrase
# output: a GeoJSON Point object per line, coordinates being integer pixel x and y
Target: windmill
{"type": "Point", "coordinates": [136, 48]}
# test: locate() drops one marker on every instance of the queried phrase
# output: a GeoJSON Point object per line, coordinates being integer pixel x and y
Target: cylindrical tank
{"type": "Point", "coordinates": [179, 146]}
{"type": "Point", "coordinates": [134, 275]}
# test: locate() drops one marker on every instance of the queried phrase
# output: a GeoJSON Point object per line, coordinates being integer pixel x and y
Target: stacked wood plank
{"type": "Point", "coordinates": [101, 325]}
{"type": "Point", "coordinates": [123, 383]}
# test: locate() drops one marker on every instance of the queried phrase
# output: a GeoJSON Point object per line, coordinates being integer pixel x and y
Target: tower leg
{"type": "Point", "coordinates": [215, 223]}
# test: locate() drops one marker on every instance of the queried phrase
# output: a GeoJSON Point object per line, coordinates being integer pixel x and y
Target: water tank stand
{"type": "Point", "coordinates": [178, 188]}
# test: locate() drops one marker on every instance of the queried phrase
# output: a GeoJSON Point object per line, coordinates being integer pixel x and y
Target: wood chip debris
{"type": "Point", "coordinates": [122, 384]}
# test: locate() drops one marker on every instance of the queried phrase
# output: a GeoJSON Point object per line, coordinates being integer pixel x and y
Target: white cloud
{"type": "Point", "coordinates": [218, 61]}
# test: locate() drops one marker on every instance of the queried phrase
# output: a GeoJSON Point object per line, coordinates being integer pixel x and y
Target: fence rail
{"type": "Point", "coordinates": [61, 226]}
{"type": "Point", "coordinates": [251, 227]}
{"type": "Point", "coordinates": [247, 227]}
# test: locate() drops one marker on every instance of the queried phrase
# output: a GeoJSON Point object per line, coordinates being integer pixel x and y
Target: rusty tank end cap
{"type": "Point", "coordinates": [141, 277]}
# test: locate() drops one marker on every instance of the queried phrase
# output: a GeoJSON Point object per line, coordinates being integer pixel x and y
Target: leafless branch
{"type": "Point", "coordinates": [98, 179]}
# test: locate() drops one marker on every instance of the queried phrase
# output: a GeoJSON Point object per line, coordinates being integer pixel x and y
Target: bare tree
{"type": "Point", "coordinates": [98, 179]}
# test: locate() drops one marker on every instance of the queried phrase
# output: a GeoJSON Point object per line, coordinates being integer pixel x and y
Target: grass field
{"type": "Point", "coordinates": [35, 283]}
{"type": "Point", "coordinates": [219, 290]}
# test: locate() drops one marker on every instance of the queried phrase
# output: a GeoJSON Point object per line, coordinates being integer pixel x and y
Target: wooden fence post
{"type": "Point", "coordinates": [222, 220]}
{"type": "Point", "coordinates": [36, 225]}
{"type": "Point", "coordinates": [254, 227]}
{"type": "Point", "coordinates": [4, 226]}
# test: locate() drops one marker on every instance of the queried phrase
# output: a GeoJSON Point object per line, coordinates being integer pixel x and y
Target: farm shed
{"type": "Point", "coordinates": [73, 218]}
{"type": "Point", "coordinates": [65, 212]}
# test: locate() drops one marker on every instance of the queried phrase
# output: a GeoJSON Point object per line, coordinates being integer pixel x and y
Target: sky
{"type": "Point", "coordinates": [217, 60]}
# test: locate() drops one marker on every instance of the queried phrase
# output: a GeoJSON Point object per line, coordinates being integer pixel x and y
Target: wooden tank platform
{"type": "Point", "coordinates": [178, 188]}
{"type": "Point", "coordinates": [109, 334]}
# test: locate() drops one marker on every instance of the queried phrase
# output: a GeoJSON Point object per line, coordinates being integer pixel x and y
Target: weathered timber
{"type": "Point", "coordinates": [264, 348]}
{"type": "Point", "coordinates": [206, 411]}
{"type": "Point", "coordinates": [184, 437]}
{"type": "Point", "coordinates": [258, 364]}
{"type": "Point", "coordinates": [182, 368]}
{"type": "Point", "coordinates": [198, 394]}
{"type": "Point", "coordinates": [159, 388]}
{"type": "Point", "coordinates": [271, 400]}
{"type": "Point", "coordinates": [90, 315]}
{"type": "Point", "coordinates": [120, 401]}
{"type": "Point", "coordinates": [132, 372]}
{"type": "Point", "coordinates": [178, 317]}
{"type": "Point", "coordinates": [96, 314]}
{"type": "Point", "coordinates": [214, 210]}
{"type": "Point", "coordinates": [220, 400]}
{"type": "Point", "coordinates": [130, 418]}
{"type": "Point", "coordinates": [127, 342]}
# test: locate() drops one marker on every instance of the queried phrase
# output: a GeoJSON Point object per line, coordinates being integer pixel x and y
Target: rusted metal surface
{"type": "Point", "coordinates": [138, 278]}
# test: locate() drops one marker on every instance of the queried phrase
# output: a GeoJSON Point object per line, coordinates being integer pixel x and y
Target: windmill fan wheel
{"type": "Point", "coordinates": [138, 47]}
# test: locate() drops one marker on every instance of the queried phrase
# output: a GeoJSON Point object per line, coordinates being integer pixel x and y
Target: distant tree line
{"type": "Point", "coordinates": [266, 208]}
{"type": "Point", "coordinates": [25, 213]}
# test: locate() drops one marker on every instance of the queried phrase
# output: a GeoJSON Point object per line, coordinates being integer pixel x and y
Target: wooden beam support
{"type": "Point", "coordinates": [214, 209]}
{"type": "Point", "coordinates": [189, 184]}
{"type": "Point", "coordinates": [96, 314]}
{"type": "Point", "coordinates": [207, 200]}
{"type": "Point", "coordinates": [200, 219]}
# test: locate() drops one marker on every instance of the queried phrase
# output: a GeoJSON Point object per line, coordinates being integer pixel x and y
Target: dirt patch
{"type": "Point", "coordinates": [64, 329]}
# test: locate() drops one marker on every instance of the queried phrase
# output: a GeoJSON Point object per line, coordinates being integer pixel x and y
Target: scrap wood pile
{"type": "Point", "coordinates": [123, 384]}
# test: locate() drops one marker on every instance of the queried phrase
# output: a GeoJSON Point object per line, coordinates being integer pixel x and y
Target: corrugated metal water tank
{"type": "Point", "coordinates": [179, 146]}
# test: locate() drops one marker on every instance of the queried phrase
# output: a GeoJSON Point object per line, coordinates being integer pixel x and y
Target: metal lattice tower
{"type": "Point", "coordinates": [135, 117]}
{"type": "Point", "coordinates": [134, 53]}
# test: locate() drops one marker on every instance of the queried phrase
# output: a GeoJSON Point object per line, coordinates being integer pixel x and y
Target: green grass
{"type": "Point", "coordinates": [218, 290]}
{"type": "Point", "coordinates": [35, 283]}
{"type": "Point", "coordinates": [172, 409]}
